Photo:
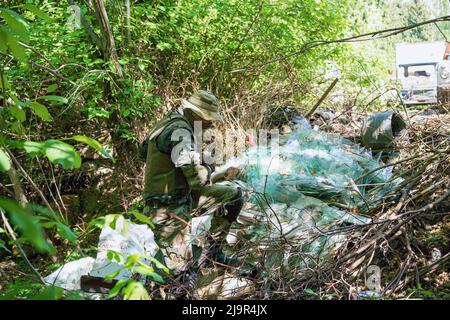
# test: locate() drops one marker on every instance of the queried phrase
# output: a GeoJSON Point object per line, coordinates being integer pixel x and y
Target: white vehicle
{"type": "Point", "coordinates": [423, 70]}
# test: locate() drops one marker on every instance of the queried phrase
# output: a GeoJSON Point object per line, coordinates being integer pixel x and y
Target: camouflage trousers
{"type": "Point", "coordinates": [181, 250]}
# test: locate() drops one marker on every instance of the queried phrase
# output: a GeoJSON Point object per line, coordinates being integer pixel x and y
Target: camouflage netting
{"type": "Point", "coordinates": [317, 184]}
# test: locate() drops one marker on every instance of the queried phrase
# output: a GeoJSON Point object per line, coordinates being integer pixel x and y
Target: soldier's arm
{"type": "Point", "coordinates": [179, 143]}
{"type": "Point", "coordinates": [197, 176]}
{"type": "Point", "coordinates": [232, 173]}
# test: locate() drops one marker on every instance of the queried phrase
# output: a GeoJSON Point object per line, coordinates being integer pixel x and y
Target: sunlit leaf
{"type": "Point", "coordinates": [158, 264]}
{"type": "Point", "coordinates": [93, 144]}
{"type": "Point", "coordinates": [16, 49]}
{"type": "Point", "coordinates": [135, 291]}
{"type": "Point", "coordinates": [40, 110]}
{"type": "Point", "coordinates": [142, 218]}
{"type": "Point", "coordinates": [113, 274]}
{"type": "Point", "coordinates": [14, 20]}
{"type": "Point", "coordinates": [52, 88]}
{"type": "Point", "coordinates": [3, 41]}
{"type": "Point", "coordinates": [118, 286]}
{"type": "Point", "coordinates": [115, 256]}
{"type": "Point", "coordinates": [135, 264]}
{"type": "Point", "coordinates": [62, 153]}
{"type": "Point", "coordinates": [33, 148]}
{"type": "Point", "coordinates": [38, 12]}
{"type": "Point", "coordinates": [57, 99]}
{"type": "Point", "coordinates": [132, 259]}
{"type": "Point", "coordinates": [5, 161]}
{"type": "Point", "coordinates": [310, 291]}
{"type": "Point", "coordinates": [97, 222]}
{"type": "Point", "coordinates": [66, 233]}
{"type": "Point", "coordinates": [17, 112]}
{"type": "Point", "coordinates": [145, 270]}
{"type": "Point", "coordinates": [48, 225]}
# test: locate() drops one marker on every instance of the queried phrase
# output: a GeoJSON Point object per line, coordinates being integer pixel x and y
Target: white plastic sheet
{"type": "Point", "coordinates": [68, 276]}
{"type": "Point", "coordinates": [127, 238]}
{"type": "Point", "coordinates": [199, 229]}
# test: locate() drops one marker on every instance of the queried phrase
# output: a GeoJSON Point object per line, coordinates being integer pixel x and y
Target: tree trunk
{"type": "Point", "coordinates": [87, 26]}
{"type": "Point", "coordinates": [110, 47]}
{"type": "Point", "coordinates": [127, 20]}
{"type": "Point", "coordinates": [18, 191]}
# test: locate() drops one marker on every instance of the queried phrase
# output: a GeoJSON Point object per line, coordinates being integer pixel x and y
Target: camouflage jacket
{"type": "Point", "coordinates": [173, 165]}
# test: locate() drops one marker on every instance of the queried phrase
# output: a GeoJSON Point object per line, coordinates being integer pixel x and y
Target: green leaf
{"type": "Point", "coordinates": [132, 259]}
{"type": "Point", "coordinates": [66, 233]}
{"type": "Point", "coordinates": [97, 222]}
{"type": "Point", "coordinates": [57, 99]}
{"type": "Point", "coordinates": [158, 264]}
{"type": "Point", "coordinates": [5, 79]}
{"type": "Point", "coordinates": [16, 49]}
{"type": "Point", "coordinates": [5, 161]}
{"type": "Point", "coordinates": [49, 293]}
{"type": "Point", "coordinates": [33, 148]}
{"type": "Point", "coordinates": [135, 291]}
{"type": "Point", "coordinates": [14, 21]}
{"type": "Point", "coordinates": [45, 212]}
{"type": "Point", "coordinates": [18, 113]}
{"type": "Point", "coordinates": [310, 291]}
{"type": "Point", "coordinates": [23, 219]}
{"type": "Point", "coordinates": [3, 40]}
{"type": "Point", "coordinates": [93, 144]}
{"type": "Point", "coordinates": [62, 153]}
{"type": "Point", "coordinates": [156, 277]}
{"type": "Point", "coordinates": [111, 220]}
{"type": "Point", "coordinates": [15, 99]}
{"type": "Point", "coordinates": [142, 218]}
{"type": "Point", "coordinates": [146, 270]}
{"type": "Point", "coordinates": [115, 256]}
{"type": "Point", "coordinates": [52, 88]}
{"type": "Point", "coordinates": [141, 66]}
{"type": "Point", "coordinates": [48, 225]}
{"type": "Point", "coordinates": [38, 12]}
{"type": "Point", "coordinates": [16, 127]}
{"type": "Point", "coordinates": [116, 289]}
{"type": "Point", "coordinates": [163, 46]}
{"type": "Point", "coordinates": [26, 288]}
{"type": "Point", "coordinates": [113, 274]}
{"type": "Point", "coordinates": [40, 110]}
{"type": "Point", "coordinates": [427, 293]}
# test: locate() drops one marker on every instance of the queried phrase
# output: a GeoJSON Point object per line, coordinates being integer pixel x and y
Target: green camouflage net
{"type": "Point", "coordinates": [300, 198]}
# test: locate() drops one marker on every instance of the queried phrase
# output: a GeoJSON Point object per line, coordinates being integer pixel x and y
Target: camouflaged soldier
{"type": "Point", "coordinates": [178, 186]}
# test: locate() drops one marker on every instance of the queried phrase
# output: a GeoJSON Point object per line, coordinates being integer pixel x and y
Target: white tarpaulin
{"type": "Point", "coordinates": [126, 239]}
